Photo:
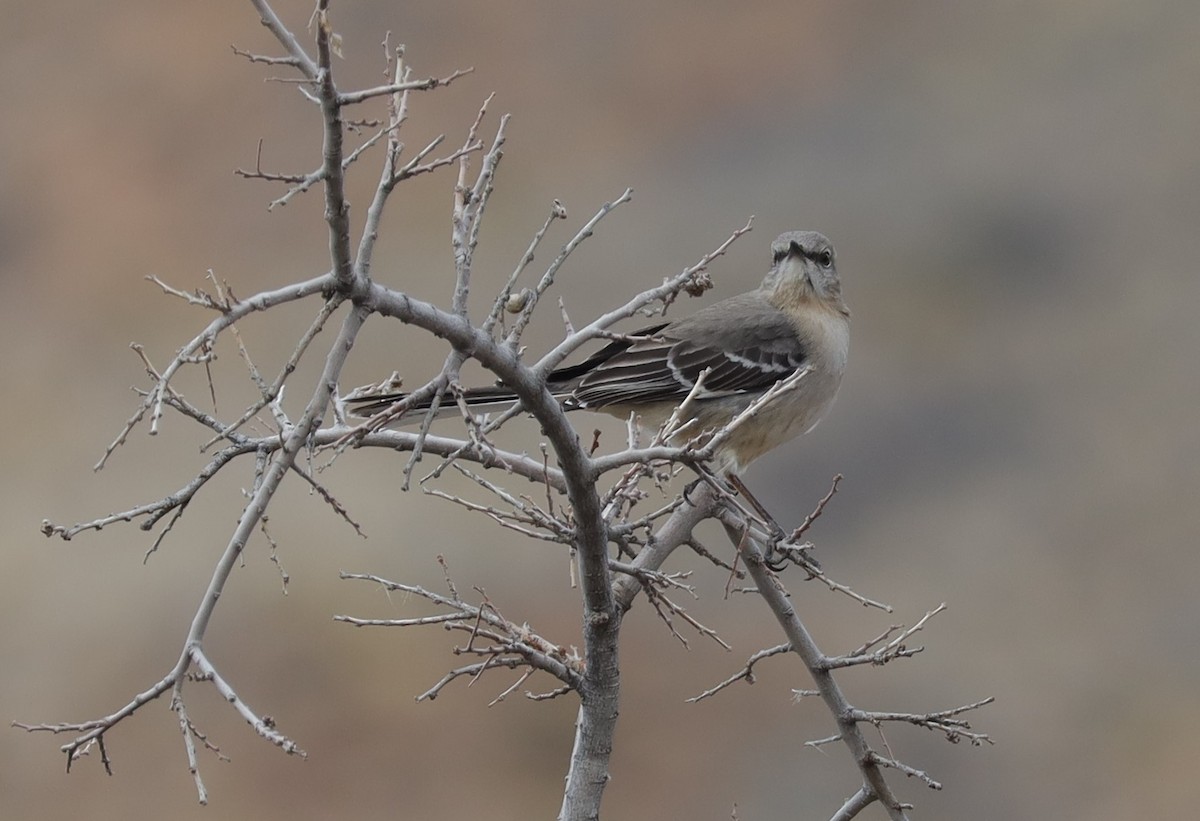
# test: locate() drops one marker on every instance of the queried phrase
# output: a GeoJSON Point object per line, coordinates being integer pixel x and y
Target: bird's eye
{"type": "Point", "coordinates": [780, 253]}
{"type": "Point", "coordinates": [825, 258]}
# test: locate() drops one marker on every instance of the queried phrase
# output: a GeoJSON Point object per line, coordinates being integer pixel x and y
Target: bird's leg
{"type": "Point", "coordinates": [763, 513]}
{"type": "Point", "coordinates": [777, 534]}
{"type": "Point", "coordinates": [705, 477]}
{"type": "Point", "coordinates": [759, 512]}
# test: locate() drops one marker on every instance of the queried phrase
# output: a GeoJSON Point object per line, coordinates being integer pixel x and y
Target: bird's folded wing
{"type": "Point", "coordinates": [740, 356]}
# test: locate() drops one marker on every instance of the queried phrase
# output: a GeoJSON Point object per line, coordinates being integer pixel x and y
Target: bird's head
{"type": "Point", "coordinates": [804, 269]}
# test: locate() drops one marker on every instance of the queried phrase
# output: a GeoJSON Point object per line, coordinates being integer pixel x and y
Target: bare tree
{"type": "Point", "coordinates": [578, 504]}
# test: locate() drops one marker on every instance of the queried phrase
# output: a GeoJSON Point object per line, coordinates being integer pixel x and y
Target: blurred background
{"type": "Point", "coordinates": [1014, 190]}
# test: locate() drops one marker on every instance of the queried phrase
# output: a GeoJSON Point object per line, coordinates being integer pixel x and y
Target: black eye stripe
{"type": "Point", "coordinates": [823, 256]}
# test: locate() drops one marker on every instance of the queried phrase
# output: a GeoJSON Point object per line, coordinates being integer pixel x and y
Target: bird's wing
{"type": "Point", "coordinates": [745, 343]}
{"type": "Point", "coordinates": [368, 401]}
{"type": "Point", "coordinates": [569, 373]}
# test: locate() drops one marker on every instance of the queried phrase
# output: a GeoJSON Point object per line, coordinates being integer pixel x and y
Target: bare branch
{"type": "Point", "coordinates": [512, 640]}
{"type": "Point", "coordinates": [337, 209]}
{"type": "Point", "coordinates": [472, 670]}
{"type": "Point", "coordinates": [503, 299]}
{"type": "Point", "coordinates": [854, 805]}
{"type": "Point", "coordinates": [895, 648]}
{"type": "Point", "coordinates": [157, 509]}
{"type": "Point", "coordinates": [795, 553]}
{"type": "Point", "coordinates": [803, 645]}
{"type": "Point", "coordinates": [286, 39]}
{"type": "Point", "coordinates": [281, 463]}
{"type": "Point", "coordinates": [355, 97]}
{"type": "Point", "coordinates": [416, 166]}
{"type": "Point", "coordinates": [330, 499]}
{"type": "Point", "coordinates": [470, 200]}
{"type": "Point", "coordinates": [746, 672]}
{"type": "Point", "coordinates": [817, 511]}
{"type": "Point", "coordinates": [301, 183]}
{"type": "Point", "coordinates": [271, 61]}
{"type": "Point", "coordinates": [514, 336]}
{"type": "Point", "coordinates": [265, 727]}
{"type": "Point", "coordinates": [943, 721]}
{"type": "Point", "coordinates": [272, 392]}
{"type": "Point", "coordinates": [94, 729]}
{"type": "Point", "coordinates": [189, 741]}
{"type": "Point", "coordinates": [676, 531]}
{"type": "Point", "coordinates": [266, 485]}
{"type": "Point", "coordinates": [911, 772]}
{"type": "Point", "coordinates": [154, 400]}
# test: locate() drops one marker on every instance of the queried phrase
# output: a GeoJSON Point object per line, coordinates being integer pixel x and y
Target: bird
{"type": "Point", "coordinates": [796, 320]}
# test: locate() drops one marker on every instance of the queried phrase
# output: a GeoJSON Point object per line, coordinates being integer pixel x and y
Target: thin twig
{"type": "Point", "coordinates": [746, 672]}
{"type": "Point", "coordinates": [355, 97]}
{"type": "Point", "coordinates": [514, 335]}
{"type": "Point", "coordinates": [694, 280]}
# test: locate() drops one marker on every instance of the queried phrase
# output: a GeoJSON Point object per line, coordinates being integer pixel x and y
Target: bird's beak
{"type": "Point", "coordinates": [796, 252]}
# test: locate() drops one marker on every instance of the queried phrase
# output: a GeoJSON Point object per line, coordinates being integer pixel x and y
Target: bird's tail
{"type": "Point", "coordinates": [476, 398]}
{"type": "Point", "coordinates": [481, 400]}
{"type": "Point", "coordinates": [370, 400]}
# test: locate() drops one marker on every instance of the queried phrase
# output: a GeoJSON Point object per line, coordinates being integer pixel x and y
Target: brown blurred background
{"type": "Point", "coordinates": [1014, 190]}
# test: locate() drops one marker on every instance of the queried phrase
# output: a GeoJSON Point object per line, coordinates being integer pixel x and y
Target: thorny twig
{"type": "Point", "coordinates": [513, 645]}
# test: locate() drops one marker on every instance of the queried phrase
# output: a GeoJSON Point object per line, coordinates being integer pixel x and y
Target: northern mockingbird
{"type": "Point", "coordinates": [795, 320]}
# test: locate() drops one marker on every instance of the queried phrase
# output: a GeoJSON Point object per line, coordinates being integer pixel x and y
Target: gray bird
{"type": "Point", "coordinates": [795, 320]}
